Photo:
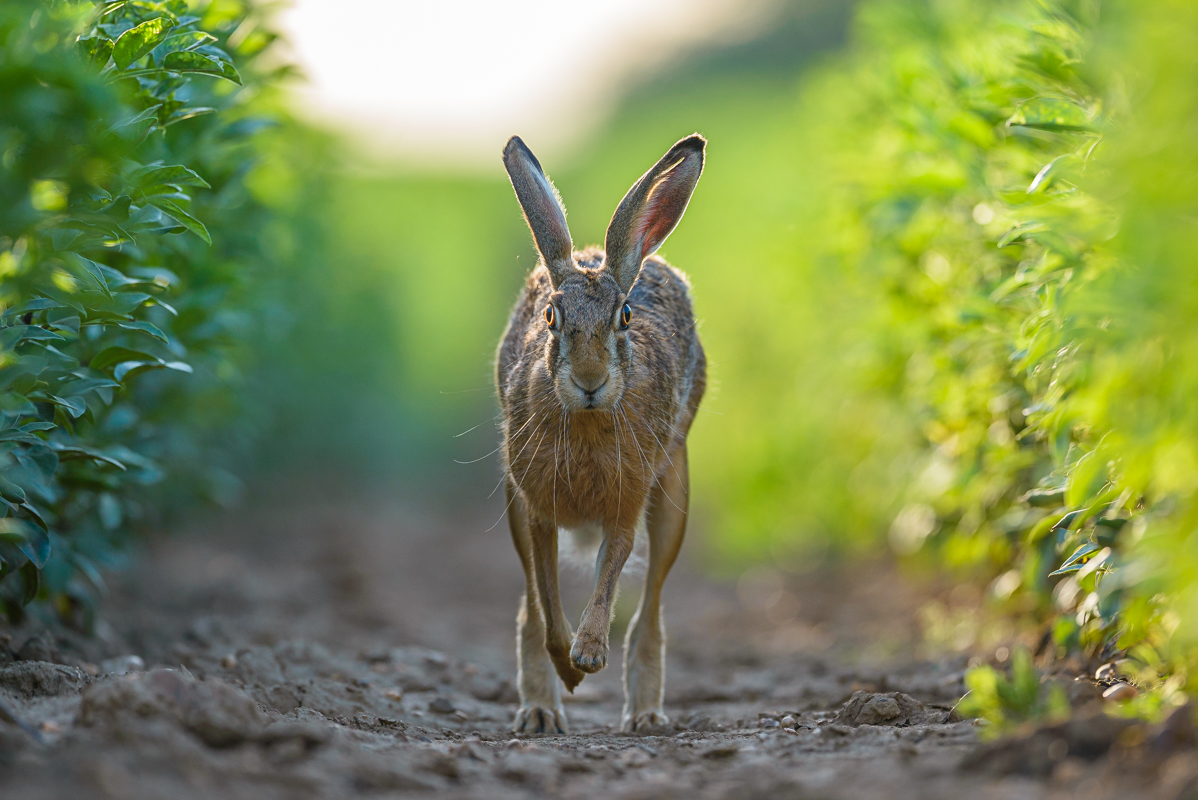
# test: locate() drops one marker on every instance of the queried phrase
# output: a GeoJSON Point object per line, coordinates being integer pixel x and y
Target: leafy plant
{"type": "Point", "coordinates": [125, 147]}
{"type": "Point", "coordinates": [1006, 701]}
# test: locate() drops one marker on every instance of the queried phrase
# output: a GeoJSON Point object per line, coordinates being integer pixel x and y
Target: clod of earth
{"type": "Point", "coordinates": [41, 679]}
{"type": "Point", "coordinates": [217, 713]}
{"type": "Point", "coordinates": [892, 708]}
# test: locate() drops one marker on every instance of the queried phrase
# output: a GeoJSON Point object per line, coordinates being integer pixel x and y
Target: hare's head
{"type": "Point", "coordinates": [587, 313]}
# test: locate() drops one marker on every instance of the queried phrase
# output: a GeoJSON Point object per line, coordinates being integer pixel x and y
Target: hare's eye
{"type": "Point", "coordinates": [550, 316]}
{"type": "Point", "coordinates": [625, 316]}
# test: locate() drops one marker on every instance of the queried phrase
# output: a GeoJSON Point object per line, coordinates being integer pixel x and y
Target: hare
{"type": "Point", "coordinates": [600, 374]}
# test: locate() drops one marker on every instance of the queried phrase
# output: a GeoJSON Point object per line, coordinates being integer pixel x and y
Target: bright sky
{"type": "Point", "coordinates": [447, 81]}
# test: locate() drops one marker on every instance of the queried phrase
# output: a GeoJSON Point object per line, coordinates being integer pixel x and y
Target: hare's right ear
{"type": "Point", "coordinates": [652, 208]}
{"type": "Point", "coordinates": [542, 209]}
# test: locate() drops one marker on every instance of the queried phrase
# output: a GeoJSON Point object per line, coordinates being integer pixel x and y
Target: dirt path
{"type": "Point", "coordinates": [333, 650]}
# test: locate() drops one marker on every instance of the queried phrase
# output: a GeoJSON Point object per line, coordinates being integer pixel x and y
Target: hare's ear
{"type": "Point", "coordinates": [542, 208]}
{"type": "Point", "coordinates": [652, 208]}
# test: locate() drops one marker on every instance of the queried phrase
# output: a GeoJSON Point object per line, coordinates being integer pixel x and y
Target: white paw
{"type": "Point", "coordinates": [653, 723]}
{"type": "Point", "coordinates": [538, 719]}
{"type": "Point", "coordinates": [589, 653]}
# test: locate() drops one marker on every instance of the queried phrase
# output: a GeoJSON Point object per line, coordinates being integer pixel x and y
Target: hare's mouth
{"type": "Point", "coordinates": [593, 396]}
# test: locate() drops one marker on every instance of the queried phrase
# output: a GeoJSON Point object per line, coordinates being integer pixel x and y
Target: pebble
{"type": "Point", "coordinates": [122, 665]}
{"type": "Point", "coordinates": [1120, 691]}
{"type": "Point", "coordinates": [768, 722]}
{"type": "Point", "coordinates": [229, 661]}
{"type": "Point", "coordinates": [789, 722]}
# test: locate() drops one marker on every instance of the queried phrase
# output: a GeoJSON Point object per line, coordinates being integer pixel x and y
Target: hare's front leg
{"type": "Point", "coordinates": [589, 652]}
{"type": "Point", "coordinates": [540, 695]}
{"type": "Point", "coordinates": [645, 647]}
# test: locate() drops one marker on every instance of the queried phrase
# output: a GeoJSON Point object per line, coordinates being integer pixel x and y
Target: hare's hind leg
{"type": "Point", "coordinates": [645, 647]}
{"type": "Point", "coordinates": [540, 694]}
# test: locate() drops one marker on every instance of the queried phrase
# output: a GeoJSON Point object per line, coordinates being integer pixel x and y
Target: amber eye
{"type": "Point", "coordinates": [550, 316]}
{"type": "Point", "coordinates": [625, 316]}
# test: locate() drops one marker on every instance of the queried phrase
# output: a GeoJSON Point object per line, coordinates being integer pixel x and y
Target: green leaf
{"type": "Point", "coordinates": [111, 356]}
{"type": "Point", "coordinates": [10, 337]}
{"type": "Point", "coordinates": [183, 218]}
{"type": "Point", "coordinates": [188, 113]}
{"type": "Point", "coordinates": [1051, 114]}
{"type": "Point", "coordinates": [90, 271]}
{"type": "Point", "coordinates": [75, 406]}
{"type": "Point", "coordinates": [96, 49]}
{"type": "Point", "coordinates": [37, 304]}
{"type": "Point", "coordinates": [1019, 232]}
{"type": "Point", "coordinates": [188, 61]}
{"type": "Point", "coordinates": [10, 491]}
{"type": "Point", "coordinates": [85, 385]}
{"type": "Point", "coordinates": [187, 40]}
{"type": "Point", "coordinates": [146, 328]}
{"type": "Point", "coordinates": [76, 452]}
{"type": "Point", "coordinates": [20, 437]}
{"type": "Point", "coordinates": [136, 42]}
{"type": "Point", "coordinates": [176, 174]}
{"type": "Point", "coordinates": [29, 539]}
{"type": "Point", "coordinates": [1086, 477]}
{"type": "Point", "coordinates": [136, 127]}
{"type": "Point", "coordinates": [1044, 498]}
{"type": "Point", "coordinates": [1050, 170]}
{"type": "Point", "coordinates": [129, 369]}
{"type": "Point", "coordinates": [1077, 559]}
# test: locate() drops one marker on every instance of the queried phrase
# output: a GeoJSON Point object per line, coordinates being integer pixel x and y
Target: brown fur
{"type": "Point", "coordinates": [595, 419]}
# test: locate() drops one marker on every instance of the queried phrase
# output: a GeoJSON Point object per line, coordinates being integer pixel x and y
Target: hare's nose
{"type": "Point", "coordinates": [590, 385]}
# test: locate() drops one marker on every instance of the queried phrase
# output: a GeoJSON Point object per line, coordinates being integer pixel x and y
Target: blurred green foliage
{"type": "Point", "coordinates": [163, 271]}
{"type": "Point", "coordinates": [1006, 701]}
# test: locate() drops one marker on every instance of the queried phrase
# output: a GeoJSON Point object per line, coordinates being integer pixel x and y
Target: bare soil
{"type": "Point", "coordinates": [334, 649]}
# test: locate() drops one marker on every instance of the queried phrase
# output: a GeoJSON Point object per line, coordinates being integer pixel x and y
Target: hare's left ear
{"type": "Point", "coordinates": [651, 209]}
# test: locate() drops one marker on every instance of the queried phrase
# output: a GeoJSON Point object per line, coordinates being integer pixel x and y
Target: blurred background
{"type": "Point", "coordinates": [941, 257]}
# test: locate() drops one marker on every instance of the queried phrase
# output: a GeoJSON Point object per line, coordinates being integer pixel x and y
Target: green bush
{"type": "Point", "coordinates": [143, 224]}
{"type": "Point", "coordinates": [996, 361]}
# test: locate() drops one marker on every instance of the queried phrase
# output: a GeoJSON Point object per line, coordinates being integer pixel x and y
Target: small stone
{"type": "Point", "coordinates": [40, 647]}
{"type": "Point", "coordinates": [789, 722]}
{"type": "Point", "coordinates": [442, 705]}
{"type": "Point", "coordinates": [1105, 673]}
{"type": "Point", "coordinates": [721, 751]}
{"type": "Point", "coordinates": [122, 665]}
{"type": "Point", "coordinates": [1120, 691]}
{"type": "Point", "coordinates": [393, 694]}
{"type": "Point", "coordinates": [460, 714]}
{"type": "Point", "coordinates": [768, 722]}
{"type": "Point", "coordinates": [229, 661]}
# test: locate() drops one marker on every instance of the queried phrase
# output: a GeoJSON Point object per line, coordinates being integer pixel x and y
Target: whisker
{"type": "Point", "coordinates": [525, 475]}
{"type": "Point", "coordinates": [500, 447]}
{"type": "Point", "coordinates": [480, 458]}
{"type": "Point", "coordinates": [476, 427]}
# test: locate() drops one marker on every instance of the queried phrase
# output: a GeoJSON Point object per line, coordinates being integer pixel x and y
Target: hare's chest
{"type": "Point", "coordinates": [588, 468]}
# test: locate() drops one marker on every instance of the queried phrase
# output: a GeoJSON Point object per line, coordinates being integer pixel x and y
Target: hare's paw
{"type": "Point", "coordinates": [648, 723]}
{"type": "Point", "coordinates": [539, 719]}
{"type": "Point", "coordinates": [589, 653]}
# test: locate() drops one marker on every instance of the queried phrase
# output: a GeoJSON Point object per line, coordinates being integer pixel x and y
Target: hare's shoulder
{"type": "Point", "coordinates": [664, 289]}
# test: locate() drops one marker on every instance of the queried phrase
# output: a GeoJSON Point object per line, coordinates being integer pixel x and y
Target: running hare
{"type": "Point", "coordinates": [600, 373]}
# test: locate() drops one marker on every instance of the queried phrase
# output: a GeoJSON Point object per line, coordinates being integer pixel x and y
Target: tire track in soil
{"type": "Point", "coordinates": [316, 650]}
